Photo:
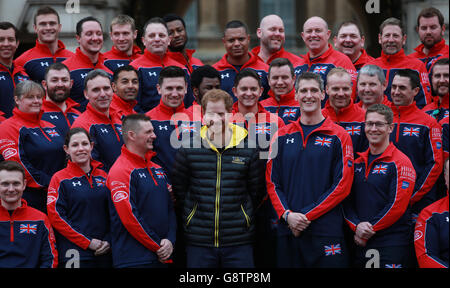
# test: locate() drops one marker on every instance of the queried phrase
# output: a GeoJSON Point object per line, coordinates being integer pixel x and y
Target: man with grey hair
{"type": "Point", "coordinates": [105, 128]}
{"type": "Point", "coordinates": [371, 84]}
{"type": "Point", "coordinates": [321, 56]}
{"type": "Point", "coordinates": [392, 38]}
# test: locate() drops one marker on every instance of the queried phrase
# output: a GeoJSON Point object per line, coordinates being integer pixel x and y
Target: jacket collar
{"type": "Point", "coordinates": [85, 59]}
{"type": "Point", "coordinates": [32, 118]}
{"type": "Point", "coordinates": [433, 51]}
{"type": "Point", "coordinates": [404, 110]}
{"type": "Point", "coordinates": [385, 155]}
{"type": "Point", "coordinates": [238, 135]}
{"type": "Point", "coordinates": [393, 57]}
{"type": "Point", "coordinates": [44, 48]}
{"type": "Point", "coordinates": [122, 55]}
{"type": "Point", "coordinates": [169, 110]}
{"type": "Point", "coordinates": [77, 171]}
{"type": "Point", "coordinates": [319, 58]}
{"type": "Point", "coordinates": [49, 105]}
{"type": "Point", "coordinates": [136, 159]}
{"type": "Point", "coordinates": [285, 99]}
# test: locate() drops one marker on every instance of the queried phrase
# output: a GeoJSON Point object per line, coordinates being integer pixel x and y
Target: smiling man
{"type": "Point", "coordinates": [105, 128]}
{"type": "Point", "coordinates": [89, 35]}
{"type": "Point", "coordinates": [350, 41]}
{"type": "Point", "coordinates": [321, 56]}
{"type": "Point", "coordinates": [439, 108]}
{"type": "Point", "coordinates": [126, 87]}
{"type": "Point", "coordinates": [49, 49]}
{"type": "Point", "coordinates": [308, 207]}
{"type": "Point", "coordinates": [123, 33]}
{"type": "Point", "coordinates": [392, 38]}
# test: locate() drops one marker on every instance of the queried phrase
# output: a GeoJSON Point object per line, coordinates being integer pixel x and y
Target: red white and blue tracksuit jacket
{"type": "Point", "coordinates": [149, 66]}
{"type": "Point", "coordinates": [121, 107]}
{"type": "Point", "coordinates": [439, 50]}
{"type": "Point", "coordinates": [311, 176]}
{"type": "Point", "coordinates": [392, 63]}
{"type": "Point", "coordinates": [445, 134]}
{"type": "Point", "coordinates": [418, 135]}
{"type": "Point", "coordinates": [362, 60]}
{"type": "Point", "coordinates": [34, 143]}
{"type": "Point", "coordinates": [282, 53]}
{"type": "Point", "coordinates": [351, 118]}
{"type": "Point", "coordinates": [26, 239]}
{"type": "Point", "coordinates": [170, 126]}
{"type": "Point", "coordinates": [324, 63]}
{"type": "Point", "coordinates": [437, 109]}
{"type": "Point", "coordinates": [80, 65]}
{"type": "Point", "coordinates": [287, 108]}
{"type": "Point", "coordinates": [191, 63]}
{"type": "Point", "coordinates": [62, 120]}
{"type": "Point", "coordinates": [228, 72]}
{"type": "Point", "coordinates": [380, 195]}
{"type": "Point", "coordinates": [8, 81]}
{"type": "Point", "coordinates": [105, 132]}
{"type": "Point", "coordinates": [36, 60]}
{"type": "Point", "coordinates": [261, 128]}
{"type": "Point", "coordinates": [431, 235]}
{"type": "Point", "coordinates": [142, 213]}
{"type": "Point", "coordinates": [78, 209]}
{"type": "Point", "coordinates": [114, 59]}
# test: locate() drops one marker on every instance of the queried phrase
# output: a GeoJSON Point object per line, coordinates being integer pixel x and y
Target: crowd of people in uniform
{"type": "Point", "coordinates": [152, 159]}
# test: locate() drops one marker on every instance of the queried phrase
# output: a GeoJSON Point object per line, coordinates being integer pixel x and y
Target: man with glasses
{"type": "Point", "coordinates": [377, 208]}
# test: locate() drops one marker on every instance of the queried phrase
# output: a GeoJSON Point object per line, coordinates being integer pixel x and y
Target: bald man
{"type": "Point", "coordinates": [271, 36]}
{"type": "Point", "coordinates": [321, 56]}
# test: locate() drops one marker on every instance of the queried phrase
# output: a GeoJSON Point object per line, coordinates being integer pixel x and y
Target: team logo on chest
{"type": "Point", "coordinates": [411, 131]}
{"type": "Point", "coordinates": [380, 169]}
{"type": "Point", "coordinates": [262, 129]}
{"type": "Point", "coordinates": [160, 174]}
{"type": "Point", "coordinates": [323, 141]}
{"type": "Point", "coordinates": [28, 228]}
{"type": "Point", "coordinates": [320, 69]}
{"type": "Point", "coordinates": [289, 112]}
{"type": "Point", "coordinates": [353, 130]}
{"type": "Point", "coordinates": [52, 133]}
{"type": "Point", "coordinates": [101, 182]}
{"type": "Point", "coordinates": [188, 128]}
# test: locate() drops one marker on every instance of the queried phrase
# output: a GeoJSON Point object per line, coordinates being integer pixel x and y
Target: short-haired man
{"type": "Point", "coordinates": [281, 99]}
{"type": "Point", "coordinates": [371, 84]}
{"type": "Point", "coordinates": [417, 135]}
{"type": "Point", "coordinates": [377, 209]}
{"type": "Point", "coordinates": [321, 57]}
{"type": "Point", "coordinates": [439, 84]}
{"type": "Point", "coordinates": [431, 29]}
{"type": "Point", "coordinates": [350, 41]}
{"type": "Point", "coordinates": [392, 38]}
{"type": "Point", "coordinates": [123, 33]}
{"type": "Point", "coordinates": [236, 40]}
{"type": "Point", "coordinates": [203, 79]}
{"type": "Point", "coordinates": [307, 202]}
{"type": "Point", "coordinates": [59, 109]}
{"type": "Point", "coordinates": [219, 185]}
{"type": "Point", "coordinates": [26, 236]}
{"type": "Point", "coordinates": [272, 36]}
{"type": "Point", "coordinates": [10, 72]}
{"type": "Point", "coordinates": [142, 217]}
{"type": "Point", "coordinates": [126, 87]}
{"type": "Point", "coordinates": [156, 40]}
{"type": "Point", "coordinates": [48, 49]}
{"type": "Point", "coordinates": [104, 127]}
{"type": "Point", "coordinates": [341, 109]}
{"type": "Point", "coordinates": [179, 38]}
{"type": "Point", "coordinates": [89, 35]}
{"type": "Point", "coordinates": [169, 118]}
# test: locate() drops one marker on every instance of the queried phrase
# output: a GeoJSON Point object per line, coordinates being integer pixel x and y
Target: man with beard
{"type": "Point", "coordinates": [392, 38]}
{"type": "Point", "coordinates": [122, 31]}
{"type": "Point", "coordinates": [431, 28]}
{"type": "Point", "coordinates": [438, 109]}
{"type": "Point", "coordinates": [87, 57]}
{"type": "Point", "coordinates": [350, 41]}
{"type": "Point", "coordinates": [58, 108]}
{"type": "Point", "coordinates": [177, 30]}
{"type": "Point", "coordinates": [49, 49]}
{"type": "Point", "coordinates": [271, 36]}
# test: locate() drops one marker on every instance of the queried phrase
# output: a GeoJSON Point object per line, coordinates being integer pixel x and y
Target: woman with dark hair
{"type": "Point", "coordinates": [77, 205]}
{"type": "Point", "coordinates": [33, 142]}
